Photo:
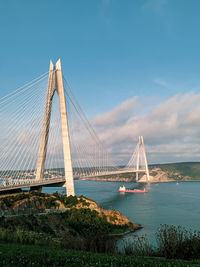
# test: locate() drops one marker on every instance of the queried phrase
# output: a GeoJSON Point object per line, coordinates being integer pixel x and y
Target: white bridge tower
{"type": "Point", "coordinates": [138, 161]}
{"type": "Point", "coordinates": [55, 85]}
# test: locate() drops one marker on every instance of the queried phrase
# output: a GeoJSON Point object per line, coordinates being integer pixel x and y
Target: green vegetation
{"type": "Point", "coordinates": [10, 200]}
{"type": "Point", "coordinates": [70, 201]}
{"type": "Point", "coordinates": [81, 228]}
{"type": "Point", "coordinates": [177, 242]}
{"type": "Point", "coordinates": [29, 238]}
{"type": "Point", "coordinates": [51, 235]}
{"type": "Point", "coordinates": [81, 220]}
{"type": "Point", "coordinates": [49, 201]}
{"type": "Point", "coordinates": [91, 233]}
{"type": "Point", "coordinates": [27, 255]}
{"type": "Point", "coordinates": [173, 242]}
{"type": "Point", "coordinates": [178, 171]}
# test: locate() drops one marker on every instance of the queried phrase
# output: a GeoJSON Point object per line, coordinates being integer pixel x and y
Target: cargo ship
{"type": "Point", "coordinates": [123, 189]}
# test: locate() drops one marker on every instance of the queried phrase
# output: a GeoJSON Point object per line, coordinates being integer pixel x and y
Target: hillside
{"type": "Point", "coordinates": [60, 221]}
{"type": "Point", "coordinates": [40, 203]}
{"type": "Point", "coordinates": [183, 171]}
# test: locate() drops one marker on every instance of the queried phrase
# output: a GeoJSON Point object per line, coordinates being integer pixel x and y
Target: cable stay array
{"type": "Point", "coordinates": [22, 118]}
{"type": "Point", "coordinates": [138, 161]}
{"type": "Point", "coordinates": [21, 122]}
{"type": "Point", "coordinates": [89, 155]}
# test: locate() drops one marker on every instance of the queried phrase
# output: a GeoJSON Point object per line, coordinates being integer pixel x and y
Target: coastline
{"type": "Point", "coordinates": [133, 180]}
{"type": "Point", "coordinates": [127, 232]}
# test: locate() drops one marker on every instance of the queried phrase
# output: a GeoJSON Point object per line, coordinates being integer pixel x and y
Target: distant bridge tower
{"type": "Point", "coordinates": [55, 84]}
{"type": "Point", "coordinates": [138, 161]}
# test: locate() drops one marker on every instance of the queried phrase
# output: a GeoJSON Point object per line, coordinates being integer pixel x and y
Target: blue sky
{"type": "Point", "coordinates": [111, 50]}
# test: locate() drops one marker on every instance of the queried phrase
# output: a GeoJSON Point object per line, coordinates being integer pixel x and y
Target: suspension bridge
{"type": "Point", "coordinates": [46, 139]}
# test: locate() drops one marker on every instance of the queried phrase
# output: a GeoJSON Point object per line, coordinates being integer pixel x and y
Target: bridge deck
{"type": "Point", "coordinates": [44, 182]}
{"type": "Point", "coordinates": [56, 181]}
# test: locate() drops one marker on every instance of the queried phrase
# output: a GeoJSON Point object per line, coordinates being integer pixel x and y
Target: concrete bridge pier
{"type": "Point", "coordinates": [55, 84]}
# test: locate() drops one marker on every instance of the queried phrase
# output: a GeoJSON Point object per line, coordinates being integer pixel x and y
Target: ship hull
{"type": "Point", "coordinates": [132, 191]}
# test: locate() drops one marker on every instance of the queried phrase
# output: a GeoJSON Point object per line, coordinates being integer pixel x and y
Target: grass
{"type": "Point", "coordinates": [27, 255]}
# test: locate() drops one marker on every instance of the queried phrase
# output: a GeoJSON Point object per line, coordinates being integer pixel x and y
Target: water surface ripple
{"type": "Point", "coordinates": [165, 203]}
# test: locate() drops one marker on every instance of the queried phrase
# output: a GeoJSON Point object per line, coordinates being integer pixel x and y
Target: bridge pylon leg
{"type": "Point", "coordinates": [65, 132]}
{"type": "Point", "coordinates": [145, 160]}
{"type": "Point", "coordinates": [46, 124]}
{"type": "Point", "coordinates": [55, 83]}
{"type": "Point", "coordinates": [138, 161]}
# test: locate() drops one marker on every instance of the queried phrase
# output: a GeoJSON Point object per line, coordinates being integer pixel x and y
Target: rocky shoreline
{"type": "Point", "coordinates": [37, 203]}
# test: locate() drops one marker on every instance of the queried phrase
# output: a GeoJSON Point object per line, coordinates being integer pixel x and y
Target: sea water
{"type": "Point", "coordinates": [165, 203]}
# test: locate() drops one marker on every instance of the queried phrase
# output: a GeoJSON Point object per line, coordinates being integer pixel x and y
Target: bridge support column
{"type": "Point", "coordinates": [65, 132]}
{"type": "Point", "coordinates": [145, 160]}
{"type": "Point", "coordinates": [55, 83]}
{"type": "Point", "coordinates": [138, 161]}
{"type": "Point", "coordinates": [46, 123]}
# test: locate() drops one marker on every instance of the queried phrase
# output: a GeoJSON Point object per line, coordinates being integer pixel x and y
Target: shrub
{"type": "Point", "coordinates": [67, 201]}
{"type": "Point", "coordinates": [173, 242]}
{"type": "Point", "coordinates": [28, 238]}
{"type": "Point", "coordinates": [50, 203]}
{"type": "Point", "coordinates": [177, 242]}
{"type": "Point", "coordinates": [139, 247]}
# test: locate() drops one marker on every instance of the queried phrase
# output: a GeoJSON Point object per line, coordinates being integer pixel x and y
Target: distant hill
{"type": "Point", "coordinates": [181, 171]}
{"type": "Point", "coordinates": [178, 171]}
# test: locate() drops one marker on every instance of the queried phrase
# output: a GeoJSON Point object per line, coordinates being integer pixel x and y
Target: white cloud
{"type": "Point", "coordinates": [161, 82]}
{"type": "Point", "coordinates": [118, 114]}
{"type": "Point", "coordinates": [154, 5]}
{"type": "Point", "coordinates": [171, 129]}
{"type": "Point", "coordinates": [106, 2]}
